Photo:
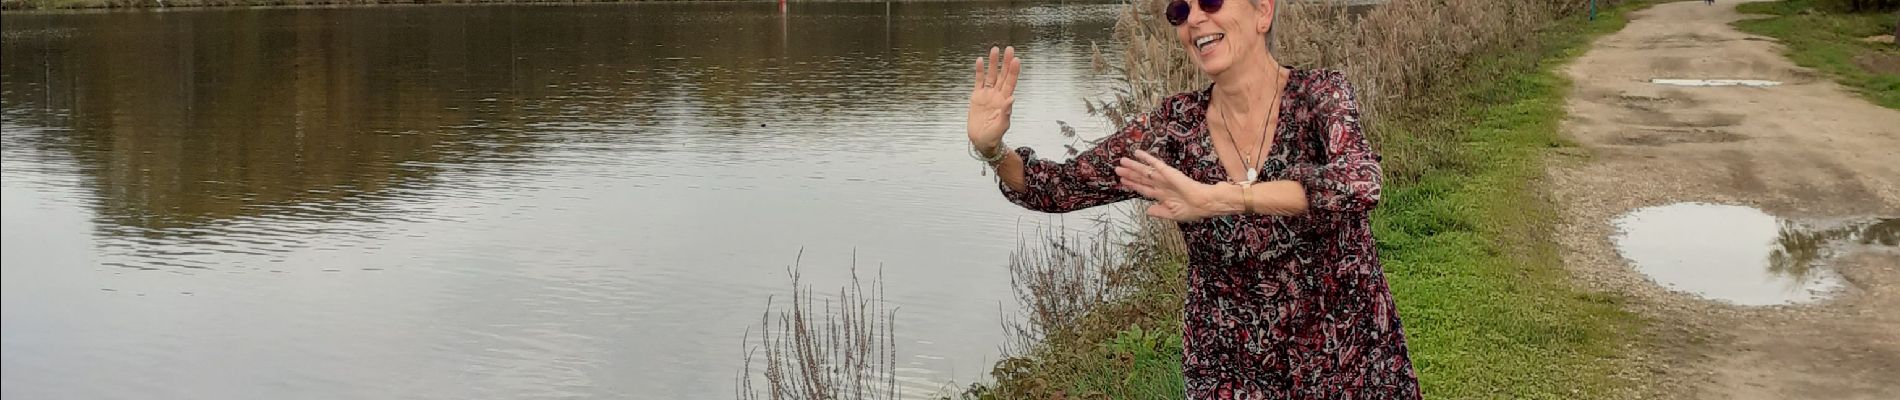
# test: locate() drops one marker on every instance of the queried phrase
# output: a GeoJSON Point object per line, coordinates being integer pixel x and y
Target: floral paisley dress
{"type": "Point", "coordinates": [1277, 307]}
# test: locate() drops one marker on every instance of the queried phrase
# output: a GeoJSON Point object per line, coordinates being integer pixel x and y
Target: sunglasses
{"type": "Point", "coordinates": [1178, 10]}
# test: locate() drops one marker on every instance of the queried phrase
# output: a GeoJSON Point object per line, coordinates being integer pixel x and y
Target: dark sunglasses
{"type": "Point", "coordinates": [1178, 10]}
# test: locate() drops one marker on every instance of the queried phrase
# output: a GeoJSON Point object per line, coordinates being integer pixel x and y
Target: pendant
{"type": "Point", "coordinates": [1253, 175]}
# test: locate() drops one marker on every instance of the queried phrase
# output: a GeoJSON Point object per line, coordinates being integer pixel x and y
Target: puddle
{"type": "Point", "coordinates": [1714, 82]}
{"type": "Point", "coordinates": [1743, 255]}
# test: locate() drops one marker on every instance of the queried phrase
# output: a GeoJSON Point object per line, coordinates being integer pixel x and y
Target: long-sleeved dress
{"type": "Point", "coordinates": [1277, 307]}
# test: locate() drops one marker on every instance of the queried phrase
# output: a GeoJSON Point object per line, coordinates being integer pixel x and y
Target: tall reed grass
{"type": "Point", "coordinates": [1062, 276]}
{"type": "Point", "coordinates": [817, 349]}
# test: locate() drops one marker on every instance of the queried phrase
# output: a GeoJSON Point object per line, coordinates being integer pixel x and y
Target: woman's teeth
{"type": "Point", "coordinates": [1203, 41]}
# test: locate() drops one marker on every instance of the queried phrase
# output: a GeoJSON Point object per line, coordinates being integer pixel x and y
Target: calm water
{"type": "Point", "coordinates": [499, 201]}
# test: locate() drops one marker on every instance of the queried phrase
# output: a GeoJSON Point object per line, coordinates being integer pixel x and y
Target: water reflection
{"type": "Point", "coordinates": [1800, 249]}
{"type": "Point", "coordinates": [329, 114]}
{"type": "Point", "coordinates": [496, 202]}
{"type": "Point", "coordinates": [1743, 255]}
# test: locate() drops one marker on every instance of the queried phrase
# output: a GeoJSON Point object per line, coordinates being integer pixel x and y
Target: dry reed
{"type": "Point", "coordinates": [847, 352]}
{"type": "Point", "coordinates": [1062, 275]}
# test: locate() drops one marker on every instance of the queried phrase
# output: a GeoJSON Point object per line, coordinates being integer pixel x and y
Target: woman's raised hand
{"type": "Point", "coordinates": [992, 99]}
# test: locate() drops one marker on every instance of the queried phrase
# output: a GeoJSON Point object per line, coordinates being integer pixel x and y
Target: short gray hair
{"type": "Point", "coordinates": [1275, 21]}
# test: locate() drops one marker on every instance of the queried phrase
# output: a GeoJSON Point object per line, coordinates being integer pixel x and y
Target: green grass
{"type": "Point", "coordinates": [1487, 305]}
{"type": "Point", "coordinates": [1831, 42]}
{"type": "Point", "coordinates": [1128, 349]}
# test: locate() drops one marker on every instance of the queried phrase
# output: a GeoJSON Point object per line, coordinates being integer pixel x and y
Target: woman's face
{"type": "Point", "coordinates": [1216, 41]}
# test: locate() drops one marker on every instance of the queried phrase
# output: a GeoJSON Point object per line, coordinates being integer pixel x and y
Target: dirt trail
{"type": "Point", "coordinates": [1806, 149]}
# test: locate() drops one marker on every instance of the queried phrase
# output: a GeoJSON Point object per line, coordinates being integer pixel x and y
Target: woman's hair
{"type": "Point", "coordinates": [1275, 22]}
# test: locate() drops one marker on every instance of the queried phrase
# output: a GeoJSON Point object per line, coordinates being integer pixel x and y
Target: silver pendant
{"type": "Point", "coordinates": [1253, 175]}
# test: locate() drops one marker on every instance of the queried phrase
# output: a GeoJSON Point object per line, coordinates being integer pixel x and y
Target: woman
{"type": "Point", "coordinates": [1271, 179]}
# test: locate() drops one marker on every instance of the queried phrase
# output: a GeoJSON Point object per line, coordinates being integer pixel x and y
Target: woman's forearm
{"type": "Point", "coordinates": [1010, 169]}
{"type": "Point", "coordinates": [1281, 198]}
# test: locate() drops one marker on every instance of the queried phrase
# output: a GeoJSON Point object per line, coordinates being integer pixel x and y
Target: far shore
{"type": "Point", "coordinates": [58, 5]}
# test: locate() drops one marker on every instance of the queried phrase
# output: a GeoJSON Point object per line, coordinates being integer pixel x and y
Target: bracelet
{"type": "Point", "coordinates": [992, 160]}
{"type": "Point", "coordinates": [1246, 196]}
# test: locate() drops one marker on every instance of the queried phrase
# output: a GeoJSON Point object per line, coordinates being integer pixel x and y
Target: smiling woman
{"type": "Point", "coordinates": [1271, 179]}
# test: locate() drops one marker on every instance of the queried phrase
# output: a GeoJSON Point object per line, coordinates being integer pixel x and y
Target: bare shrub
{"type": "Point", "coordinates": [847, 352]}
{"type": "Point", "coordinates": [1057, 277]}
{"type": "Point", "coordinates": [1080, 287]}
{"type": "Point", "coordinates": [1061, 275]}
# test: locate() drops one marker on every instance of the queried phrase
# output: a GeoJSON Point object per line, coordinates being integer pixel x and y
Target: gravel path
{"type": "Point", "coordinates": [1807, 149]}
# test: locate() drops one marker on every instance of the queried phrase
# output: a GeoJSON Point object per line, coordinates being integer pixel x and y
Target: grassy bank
{"type": "Point", "coordinates": [1487, 304]}
{"type": "Point", "coordinates": [1831, 40]}
{"type": "Point", "coordinates": [1464, 116]}
{"type": "Point", "coordinates": [1465, 241]}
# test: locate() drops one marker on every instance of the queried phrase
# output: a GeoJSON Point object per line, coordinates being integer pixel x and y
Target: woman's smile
{"type": "Point", "coordinates": [1206, 44]}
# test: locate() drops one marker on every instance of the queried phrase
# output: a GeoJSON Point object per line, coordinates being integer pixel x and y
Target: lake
{"type": "Point", "coordinates": [462, 202]}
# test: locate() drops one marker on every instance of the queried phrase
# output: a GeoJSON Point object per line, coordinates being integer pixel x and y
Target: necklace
{"type": "Point", "coordinates": [1253, 168]}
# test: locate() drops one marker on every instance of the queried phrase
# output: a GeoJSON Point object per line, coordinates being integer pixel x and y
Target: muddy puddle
{"type": "Point", "coordinates": [1743, 255]}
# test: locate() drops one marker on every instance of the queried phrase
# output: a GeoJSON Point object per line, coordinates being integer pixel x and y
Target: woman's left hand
{"type": "Point", "coordinates": [1177, 197]}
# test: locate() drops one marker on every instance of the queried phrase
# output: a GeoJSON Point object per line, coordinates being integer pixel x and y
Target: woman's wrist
{"type": "Point", "coordinates": [991, 154]}
{"type": "Point", "coordinates": [989, 147]}
{"type": "Point", "coordinates": [995, 150]}
{"type": "Point", "coordinates": [1246, 197]}
{"type": "Point", "coordinates": [1224, 198]}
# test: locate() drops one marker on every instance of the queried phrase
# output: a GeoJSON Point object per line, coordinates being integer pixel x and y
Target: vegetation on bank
{"type": "Point", "coordinates": [1830, 36]}
{"type": "Point", "coordinates": [1464, 235]}
{"type": "Point", "coordinates": [1465, 102]}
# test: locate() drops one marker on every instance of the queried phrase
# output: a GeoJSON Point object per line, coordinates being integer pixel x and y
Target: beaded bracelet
{"type": "Point", "coordinates": [1001, 153]}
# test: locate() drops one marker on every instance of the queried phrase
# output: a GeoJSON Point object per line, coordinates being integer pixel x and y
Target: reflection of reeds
{"type": "Point", "coordinates": [1886, 232]}
{"type": "Point", "coordinates": [1799, 250]}
{"type": "Point", "coordinates": [846, 352]}
{"type": "Point", "coordinates": [1796, 250]}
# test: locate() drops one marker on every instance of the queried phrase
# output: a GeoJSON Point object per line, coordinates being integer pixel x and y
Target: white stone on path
{"type": "Point", "coordinates": [1715, 82]}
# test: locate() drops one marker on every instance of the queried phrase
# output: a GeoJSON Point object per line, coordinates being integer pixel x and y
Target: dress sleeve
{"type": "Point", "coordinates": [1348, 177]}
{"type": "Point", "coordinates": [1089, 179]}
